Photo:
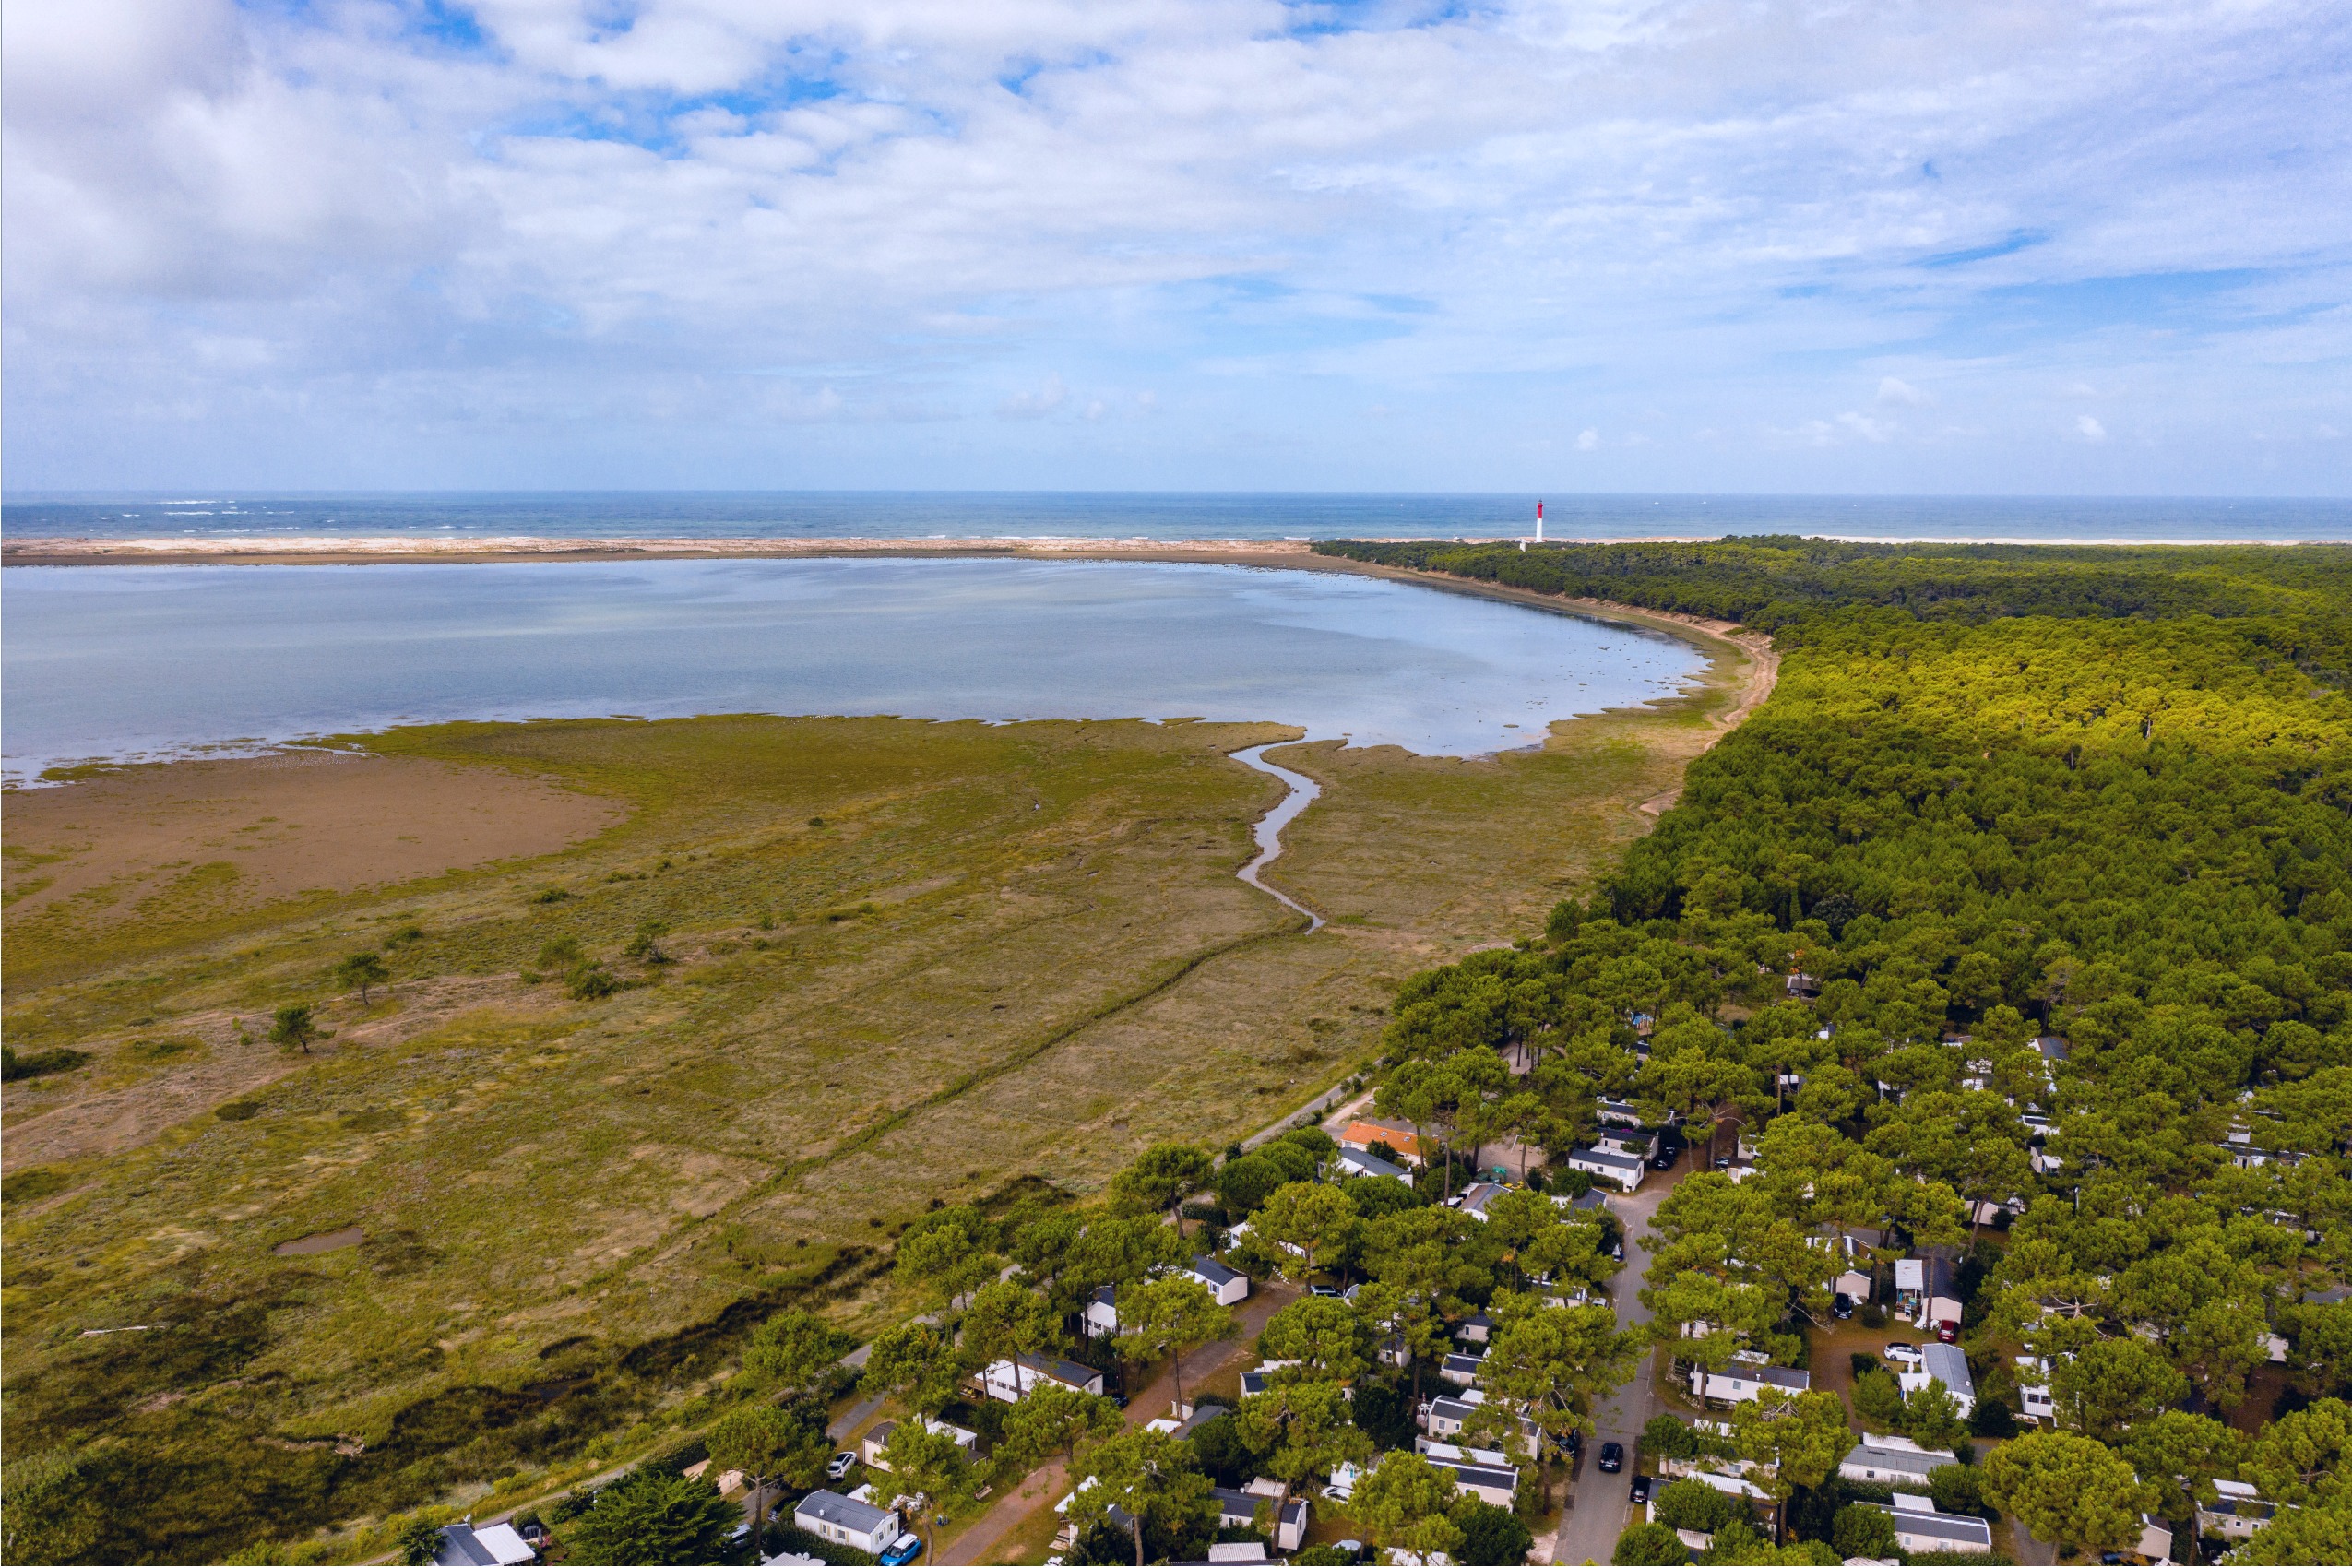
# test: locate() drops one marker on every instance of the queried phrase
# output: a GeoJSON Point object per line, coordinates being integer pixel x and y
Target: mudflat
{"type": "Point", "coordinates": [242, 832]}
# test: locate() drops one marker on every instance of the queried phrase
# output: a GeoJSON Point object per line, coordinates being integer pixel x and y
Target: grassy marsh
{"type": "Point", "coordinates": [909, 961]}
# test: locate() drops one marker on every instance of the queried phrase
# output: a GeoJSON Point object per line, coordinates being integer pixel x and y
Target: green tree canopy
{"type": "Point", "coordinates": [651, 1515]}
{"type": "Point", "coordinates": [2069, 1490]}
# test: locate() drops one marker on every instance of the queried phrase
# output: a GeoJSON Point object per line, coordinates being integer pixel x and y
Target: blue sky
{"type": "Point", "coordinates": [1944, 246]}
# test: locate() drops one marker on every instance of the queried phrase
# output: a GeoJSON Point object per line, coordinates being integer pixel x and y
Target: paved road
{"type": "Point", "coordinates": [1598, 1509]}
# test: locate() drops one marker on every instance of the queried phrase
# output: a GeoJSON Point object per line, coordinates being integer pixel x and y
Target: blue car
{"type": "Point", "coordinates": [906, 1548]}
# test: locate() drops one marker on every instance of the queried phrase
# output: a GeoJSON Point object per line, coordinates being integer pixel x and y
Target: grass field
{"type": "Point", "coordinates": [907, 962]}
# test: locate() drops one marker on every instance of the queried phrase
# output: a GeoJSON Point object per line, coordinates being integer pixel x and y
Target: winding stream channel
{"type": "Point", "coordinates": [1268, 831]}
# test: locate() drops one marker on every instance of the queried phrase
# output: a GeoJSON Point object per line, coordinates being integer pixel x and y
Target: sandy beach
{"type": "Point", "coordinates": [256, 551]}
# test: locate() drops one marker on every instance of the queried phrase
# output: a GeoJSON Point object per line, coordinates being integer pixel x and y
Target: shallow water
{"type": "Point", "coordinates": [119, 662]}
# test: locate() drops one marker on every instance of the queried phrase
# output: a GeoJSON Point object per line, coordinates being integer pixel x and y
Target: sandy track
{"type": "Point", "coordinates": [361, 552]}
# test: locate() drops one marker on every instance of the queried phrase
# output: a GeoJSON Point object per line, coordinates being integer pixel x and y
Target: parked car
{"type": "Point", "coordinates": [841, 1465]}
{"type": "Point", "coordinates": [1664, 1159]}
{"type": "Point", "coordinates": [1323, 1290]}
{"type": "Point", "coordinates": [1948, 1333]}
{"type": "Point", "coordinates": [1617, 1251]}
{"type": "Point", "coordinates": [1910, 1355]}
{"type": "Point", "coordinates": [906, 1548]}
{"type": "Point", "coordinates": [1575, 1444]}
{"type": "Point", "coordinates": [1641, 1488]}
{"type": "Point", "coordinates": [1841, 1304]}
{"type": "Point", "coordinates": [1612, 1457]}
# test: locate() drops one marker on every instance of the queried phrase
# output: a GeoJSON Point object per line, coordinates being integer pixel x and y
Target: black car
{"type": "Point", "coordinates": [1641, 1488]}
{"type": "Point", "coordinates": [1575, 1444]}
{"type": "Point", "coordinates": [1664, 1159]}
{"type": "Point", "coordinates": [1612, 1457]}
{"type": "Point", "coordinates": [1841, 1304]}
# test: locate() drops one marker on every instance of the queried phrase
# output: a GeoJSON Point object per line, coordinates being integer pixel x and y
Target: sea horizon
{"type": "Point", "coordinates": [919, 515]}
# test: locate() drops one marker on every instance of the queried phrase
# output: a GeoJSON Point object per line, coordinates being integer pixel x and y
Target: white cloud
{"type": "Point", "coordinates": [1898, 393]}
{"type": "Point", "coordinates": [2089, 429]}
{"type": "Point", "coordinates": [316, 237]}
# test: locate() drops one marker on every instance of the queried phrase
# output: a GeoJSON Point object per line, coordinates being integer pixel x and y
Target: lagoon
{"type": "Point", "coordinates": [130, 664]}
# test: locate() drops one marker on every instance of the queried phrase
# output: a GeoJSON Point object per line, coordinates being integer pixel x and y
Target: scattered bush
{"type": "Point", "coordinates": [39, 1064]}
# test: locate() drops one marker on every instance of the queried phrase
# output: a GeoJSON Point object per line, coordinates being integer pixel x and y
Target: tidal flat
{"type": "Point", "coordinates": [905, 962]}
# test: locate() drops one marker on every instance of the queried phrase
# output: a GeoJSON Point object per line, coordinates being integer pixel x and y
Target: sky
{"type": "Point", "coordinates": [1875, 246]}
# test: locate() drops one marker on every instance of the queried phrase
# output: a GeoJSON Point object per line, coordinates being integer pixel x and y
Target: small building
{"type": "Point", "coordinates": [1238, 1510]}
{"type": "Point", "coordinates": [2033, 1388]}
{"type": "Point", "coordinates": [1222, 1551]}
{"type": "Point", "coordinates": [1592, 1200]}
{"type": "Point", "coordinates": [1927, 1292]}
{"type": "Point", "coordinates": [1102, 1313]}
{"type": "Point", "coordinates": [490, 1546]}
{"type": "Point", "coordinates": [846, 1522]}
{"type": "Point", "coordinates": [1606, 1165]}
{"type": "Point", "coordinates": [1920, 1528]}
{"type": "Point", "coordinates": [2236, 1513]}
{"type": "Point", "coordinates": [1477, 1329]}
{"type": "Point", "coordinates": [1944, 1364]}
{"type": "Point", "coordinates": [1743, 1382]}
{"type": "Point", "coordinates": [1635, 1141]}
{"type": "Point", "coordinates": [1892, 1461]}
{"type": "Point", "coordinates": [1473, 1199]}
{"type": "Point", "coordinates": [2155, 1539]}
{"type": "Point", "coordinates": [1228, 1285]}
{"type": "Point", "coordinates": [1461, 1370]}
{"type": "Point", "coordinates": [1853, 1278]}
{"type": "Point", "coordinates": [1011, 1381]}
{"type": "Point", "coordinates": [1481, 1472]}
{"type": "Point", "coordinates": [1356, 1162]}
{"type": "Point", "coordinates": [879, 1439]}
{"type": "Point", "coordinates": [1403, 1138]}
{"type": "Point", "coordinates": [1446, 1414]}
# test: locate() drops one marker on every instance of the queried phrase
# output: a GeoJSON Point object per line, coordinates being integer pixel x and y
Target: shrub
{"type": "Point", "coordinates": [591, 982]}
{"type": "Point", "coordinates": [1490, 1534]}
{"type": "Point", "coordinates": [1992, 1418]}
{"type": "Point", "coordinates": [39, 1065]}
{"type": "Point", "coordinates": [1957, 1488]}
{"type": "Point", "coordinates": [1863, 1531]}
{"type": "Point", "coordinates": [1669, 1437]}
{"type": "Point", "coordinates": [1650, 1544]}
{"type": "Point", "coordinates": [1878, 1400]}
{"type": "Point", "coordinates": [1871, 1315]}
{"type": "Point", "coordinates": [1694, 1505]}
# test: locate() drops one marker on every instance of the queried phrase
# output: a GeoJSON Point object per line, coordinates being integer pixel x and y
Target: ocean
{"type": "Point", "coordinates": [1094, 515]}
{"type": "Point", "coordinates": [126, 663]}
